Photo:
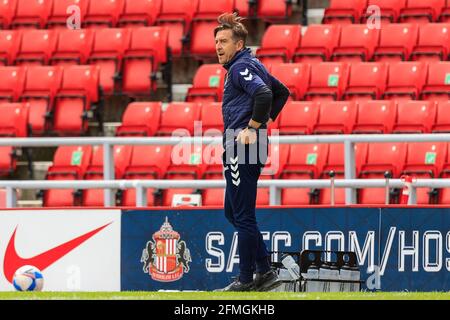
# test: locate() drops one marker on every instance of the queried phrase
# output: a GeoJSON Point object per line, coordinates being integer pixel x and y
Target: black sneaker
{"type": "Point", "coordinates": [267, 281]}
{"type": "Point", "coordinates": [237, 285]}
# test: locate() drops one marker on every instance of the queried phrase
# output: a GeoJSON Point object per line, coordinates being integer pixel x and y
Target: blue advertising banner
{"type": "Point", "coordinates": [397, 249]}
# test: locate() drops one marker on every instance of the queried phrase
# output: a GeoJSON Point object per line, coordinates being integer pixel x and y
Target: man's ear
{"type": "Point", "coordinates": [240, 44]}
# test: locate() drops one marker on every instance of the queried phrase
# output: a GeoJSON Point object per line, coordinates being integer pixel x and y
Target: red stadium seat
{"type": "Point", "coordinates": [60, 14]}
{"type": "Point", "coordinates": [179, 119]}
{"type": "Point", "coordinates": [298, 118]}
{"type": "Point", "coordinates": [357, 43]}
{"type": "Point", "coordinates": [381, 158]}
{"type": "Point", "coordinates": [213, 197]}
{"type": "Point", "coordinates": [279, 43]}
{"type": "Point", "coordinates": [336, 117]}
{"type": "Point", "coordinates": [405, 80]}
{"type": "Point", "coordinates": [78, 94]}
{"type": "Point", "coordinates": [366, 81]}
{"type": "Point", "coordinates": [328, 81]}
{"type": "Point", "coordinates": [390, 9]}
{"type": "Point", "coordinates": [437, 86]}
{"type": "Point", "coordinates": [73, 47]}
{"type": "Point", "coordinates": [213, 163]}
{"type": "Point", "coordinates": [122, 157]}
{"type": "Point", "coordinates": [421, 11]}
{"type": "Point", "coordinates": [335, 163]}
{"type": "Point", "coordinates": [107, 53]}
{"type": "Point", "coordinates": [444, 193]}
{"type": "Point", "coordinates": [318, 43]}
{"type": "Point", "coordinates": [9, 45]}
{"type": "Point", "coordinates": [41, 85]}
{"type": "Point", "coordinates": [397, 41]}
{"type": "Point", "coordinates": [415, 117]}
{"type": "Point", "coordinates": [344, 11]}
{"type": "Point", "coordinates": [294, 76]}
{"type": "Point", "coordinates": [433, 43]}
{"type": "Point", "coordinates": [139, 13]}
{"type": "Point", "coordinates": [276, 160]}
{"type": "Point", "coordinates": [208, 84]}
{"type": "Point", "coordinates": [177, 16]}
{"type": "Point", "coordinates": [36, 47]}
{"type": "Point", "coordinates": [274, 10]}
{"type": "Point", "coordinates": [147, 162]}
{"type": "Point", "coordinates": [375, 117]}
{"type": "Point", "coordinates": [12, 84]}
{"type": "Point", "coordinates": [244, 8]}
{"type": "Point", "coordinates": [305, 162]}
{"type": "Point", "coordinates": [31, 14]}
{"type": "Point", "coordinates": [7, 11]}
{"type": "Point", "coordinates": [211, 118]}
{"type": "Point", "coordinates": [13, 123]}
{"type": "Point", "coordinates": [442, 123]}
{"type": "Point", "coordinates": [425, 160]}
{"type": "Point", "coordinates": [148, 50]}
{"type": "Point", "coordinates": [203, 25]}
{"type": "Point", "coordinates": [140, 119]}
{"type": "Point", "coordinates": [103, 13]}
{"type": "Point", "coordinates": [69, 163]}
{"type": "Point", "coordinates": [445, 14]}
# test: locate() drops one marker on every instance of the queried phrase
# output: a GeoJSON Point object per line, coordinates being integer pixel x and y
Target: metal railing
{"type": "Point", "coordinates": [349, 183]}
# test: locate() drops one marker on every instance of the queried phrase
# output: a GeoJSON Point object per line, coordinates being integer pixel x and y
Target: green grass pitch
{"type": "Point", "coordinates": [140, 295]}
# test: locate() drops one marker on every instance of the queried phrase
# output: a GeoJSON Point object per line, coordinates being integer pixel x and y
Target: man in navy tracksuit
{"type": "Point", "coordinates": [252, 99]}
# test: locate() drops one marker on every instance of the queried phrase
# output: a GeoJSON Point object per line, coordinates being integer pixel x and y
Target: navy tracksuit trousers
{"type": "Point", "coordinates": [242, 170]}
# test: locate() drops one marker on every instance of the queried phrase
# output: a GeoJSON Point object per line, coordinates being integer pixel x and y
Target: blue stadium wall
{"type": "Point", "coordinates": [410, 247]}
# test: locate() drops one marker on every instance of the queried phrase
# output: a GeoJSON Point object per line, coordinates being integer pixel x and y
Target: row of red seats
{"type": "Point", "coordinates": [355, 11]}
{"type": "Point", "coordinates": [186, 19]}
{"type": "Point", "coordinates": [297, 161]}
{"type": "Point", "coordinates": [304, 118]}
{"type": "Point", "coordinates": [128, 58]}
{"type": "Point", "coordinates": [350, 43]}
{"type": "Point", "coordinates": [409, 80]}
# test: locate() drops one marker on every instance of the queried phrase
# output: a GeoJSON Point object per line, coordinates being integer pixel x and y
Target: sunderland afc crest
{"type": "Point", "coordinates": [167, 257]}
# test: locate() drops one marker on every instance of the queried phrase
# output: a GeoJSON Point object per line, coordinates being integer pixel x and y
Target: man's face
{"type": "Point", "coordinates": [226, 48]}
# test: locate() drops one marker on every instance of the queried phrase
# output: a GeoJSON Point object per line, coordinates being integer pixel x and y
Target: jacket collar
{"type": "Point", "coordinates": [237, 56]}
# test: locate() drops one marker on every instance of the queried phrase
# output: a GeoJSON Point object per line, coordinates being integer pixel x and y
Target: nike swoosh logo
{"type": "Point", "coordinates": [41, 261]}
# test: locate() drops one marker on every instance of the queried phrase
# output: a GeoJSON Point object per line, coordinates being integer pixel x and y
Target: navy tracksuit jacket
{"type": "Point", "coordinates": [244, 163]}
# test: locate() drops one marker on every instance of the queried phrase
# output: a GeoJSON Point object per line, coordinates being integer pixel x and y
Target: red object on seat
{"type": "Point", "coordinates": [318, 43]}
{"type": "Point", "coordinates": [140, 119]}
{"type": "Point", "coordinates": [298, 117]}
{"type": "Point", "coordinates": [179, 119]}
{"type": "Point", "coordinates": [397, 41]}
{"type": "Point", "coordinates": [41, 85]}
{"type": "Point", "coordinates": [357, 43]}
{"type": "Point", "coordinates": [433, 43]}
{"type": "Point", "coordinates": [390, 10]}
{"type": "Point", "coordinates": [279, 43]}
{"type": "Point", "coordinates": [294, 76]}
{"type": "Point", "coordinates": [415, 117]}
{"type": "Point", "coordinates": [344, 11]}
{"type": "Point", "coordinates": [103, 13]}
{"type": "Point", "coordinates": [73, 47]}
{"type": "Point", "coordinates": [9, 45]}
{"type": "Point", "coordinates": [375, 116]}
{"type": "Point", "coordinates": [208, 84]}
{"type": "Point", "coordinates": [177, 15]}
{"type": "Point", "coordinates": [366, 81]}
{"type": "Point", "coordinates": [328, 81]}
{"type": "Point", "coordinates": [139, 13]}
{"type": "Point", "coordinates": [405, 80]}
{"type": "Point", "coordinates": [437, 86]}
{"type": "Point", "coordinates": [31, 14]}
{"type": "Point", "coordinates": [421, 11]}
{"type": "Point", "coordinates": [67, 14]}
{"type": "Point", "coordinates": [7, 11]}
{"type": "Point", "coordinates": [147, 51]}
{"type": "Point", "coordinates": [442, 123]}
{"type": "Point", "coordinates": [107, 53]}
{"type": "Point", "coordinates": [12, 83]}
{"type": "Point", "coordinates": [36, 47]}
{"type": "Point", "coordinates": [336, 117]}
{"type": "Point", "coordinates": [79, 92]}
{"type": "Point", "coordinates": [211, 118]}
